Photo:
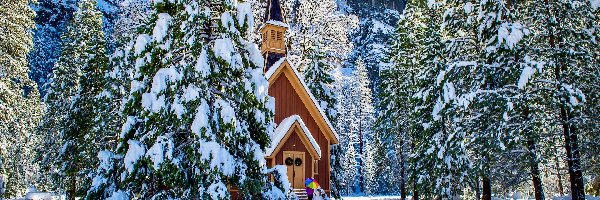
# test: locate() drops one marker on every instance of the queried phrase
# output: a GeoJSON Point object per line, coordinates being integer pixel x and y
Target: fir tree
{"type": "Point", "coordinates": [440, 163]}
{"type": "Point", "coordinates": [345, 107]}
{"type": "Point", "coordinates": [567, 45]}
{"type": "Point", "coordinates": [397, 86]}
{"type": "Point", "coordinates": [51, 20]}
{"type": "Point", "coordinates": [199, 116]}
{"type": "Point", "coordinates": [365, 117]}
{"type": "Point", "coordinates": [319, 78]}
{"type": "Point", "coordinates": [85, 48]}
{"type": "Point", "coordinates": [19, 100]}
{"type": "Point", "coordinates": [499, 113]}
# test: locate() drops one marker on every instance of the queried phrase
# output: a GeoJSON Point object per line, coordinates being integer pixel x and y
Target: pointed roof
{"type": "Point", "coordinates": [283, 132]}
{"type": "Point", "coordinates": [283, 66]}
{"type": "Point", "coordinates": [273, 12]}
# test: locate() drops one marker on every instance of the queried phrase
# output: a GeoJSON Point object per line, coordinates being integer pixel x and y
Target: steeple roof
{"type": "Point", "coordinates": [273, 11]}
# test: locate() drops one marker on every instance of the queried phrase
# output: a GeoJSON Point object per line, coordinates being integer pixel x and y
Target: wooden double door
{"type": "Point", "coordinates": [295, 162]}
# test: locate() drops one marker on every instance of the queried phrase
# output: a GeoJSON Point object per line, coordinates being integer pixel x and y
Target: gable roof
{"type": "Point", "coordinates": [283, 132]}
{"type": "Point", "coordinates": [315, 110]}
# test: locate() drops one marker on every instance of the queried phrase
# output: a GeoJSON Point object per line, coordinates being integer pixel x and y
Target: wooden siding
{"type": "Point", "coordinates": [288, 103]}
{"type": "Point", "coordinates": [295, 144]}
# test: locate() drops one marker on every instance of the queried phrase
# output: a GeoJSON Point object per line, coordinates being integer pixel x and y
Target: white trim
{"type": "Point", "coordinates": [277, 65]}
{"type": "Point", "coordinates": [283, 129]}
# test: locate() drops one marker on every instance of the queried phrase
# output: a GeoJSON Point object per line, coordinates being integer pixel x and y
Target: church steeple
{"type": "Point", "coordinates": [273, 34]}
{"type": "Point", "coordinates": [273, 11]}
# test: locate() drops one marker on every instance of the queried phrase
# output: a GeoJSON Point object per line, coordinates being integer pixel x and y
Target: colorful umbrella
{"type": "Point", "coordinates": [311, 183]}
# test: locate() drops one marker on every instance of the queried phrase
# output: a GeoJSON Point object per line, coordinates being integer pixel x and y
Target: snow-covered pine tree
{"type": "Point", "coordinates": [440, 161]}
{"type": "Point", "coordinates": [397, 86]}
{"type": "Point", "coordinates": [199, 115]}
{"type": "Point", "coordinates": [496, 107]}
{"type": "Point", "coordinates": [62, 86]}
{"type": "Point", "coordinates": [132, 15]}
{"type": "Point", "coordinates": [84, 53]}
{"type": "Point", "coordinates": [337, 153]}
{"type": "Point", "coordinates": [567, 40]}
{"type": "Point", "coordinates": [51, 20]}
{"type": "Point", "coordinates": [318, 76]}
{"type": "Point", "coordinates": [344, 85]}
{"type": "Point", "coordinates": [317, 24]}
{"type": "Point", "coordinates": [19, 100]}
{"type": "Point", "coordinates": [350, 169]}
{"type": "Point", "coordinates": [365, 119]}
{"type": "Point", "coordinates": [505, 109]}
{"type": "Point", "coordinates": [591, 122]}
{"type": "Point", "coordinates": [371, 169]}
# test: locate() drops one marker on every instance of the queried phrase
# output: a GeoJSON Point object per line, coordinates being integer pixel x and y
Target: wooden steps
{"type": "Point", "coordinates": [301, 194]}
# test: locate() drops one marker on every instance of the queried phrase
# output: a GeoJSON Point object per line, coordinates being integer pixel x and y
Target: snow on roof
{"type": "Point", "coordinates": [274, 68]}
{"type": "Point", "coordinates": [282, 130]}
{"type": "Point", "coordinates": [277, 23]}
{"type": "Point", "coordinates": [277, 65]}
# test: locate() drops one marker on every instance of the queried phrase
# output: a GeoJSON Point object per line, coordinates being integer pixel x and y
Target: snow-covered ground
{"type": "Point", "coordinates": [375, 198]}
{"type": "Point", "coordinates": [587, 197]}
{"type": "Point", "coordinates": [410, 198]}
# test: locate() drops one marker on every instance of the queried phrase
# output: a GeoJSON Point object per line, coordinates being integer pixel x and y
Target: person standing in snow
{"type": "Point", "coordinates": [309, 192]}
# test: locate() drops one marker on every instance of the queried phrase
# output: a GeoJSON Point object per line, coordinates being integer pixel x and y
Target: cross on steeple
{"type": "Point", "coordinates": [273, 34]}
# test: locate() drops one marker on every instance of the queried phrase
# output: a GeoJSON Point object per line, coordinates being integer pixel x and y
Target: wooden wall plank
{"type": "Point", "coordinates": [288, 103]}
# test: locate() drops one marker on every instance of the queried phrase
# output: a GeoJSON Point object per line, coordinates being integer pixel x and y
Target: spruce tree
{"type": "Point", "coordinates": [345, 107]}
{"type": "Point", "coordinates": [501, 110]}
{"type": "Point", "coordinates": [441, 163]}
{"type": "Point", "coordinates": [365, 117]}
{"type": "Point", "coordinates": [78, 138]}
{"type": "Point", "coordinates": [397, 86]}
{"type": "Point", "coordinates": [198, 113]}
{"type": "Point", "coordinates": [19, 99]}
{"type": "Point", "coordinates": [52, 17]}
{"type": "Point", "coordinates": [319, 78]}
{"type": "Point", "coordinates": [62, 87]}
{"type": "Point", "coordinates": [567, 45]}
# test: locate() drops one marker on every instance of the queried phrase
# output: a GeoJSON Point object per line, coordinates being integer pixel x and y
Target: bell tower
{"type": "Point", "coordinates": [273, 34]}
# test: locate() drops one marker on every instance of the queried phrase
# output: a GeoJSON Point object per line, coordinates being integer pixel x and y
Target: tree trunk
{"type": "Point", "coordinates": [572, 149]}
{"type": "Point", "coordinates": [569, 133]}
{"type": "Point", "coordinates": [560, 185]}
{"type": "Point", "coordinates": [533, 162]}
{"type": "Point", "coordinates": [477, 189]}
{"type": "Point", "coordinates": [415, 191]}
{"type": "Point", "coordinates": [72, 188]}
{"type": "Point", "coordinates": [487, 189]}
{"type": "Point", "coordinates": [360, 186]}
{"type": "Point", "coordinates": [535, 171]}
{"type": "Point", "coordinates": [402, 175]}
